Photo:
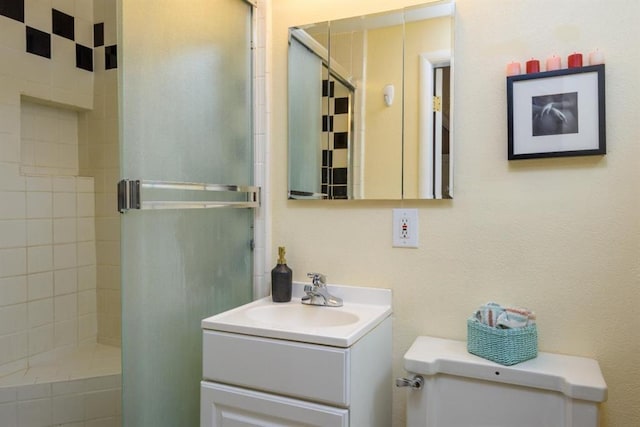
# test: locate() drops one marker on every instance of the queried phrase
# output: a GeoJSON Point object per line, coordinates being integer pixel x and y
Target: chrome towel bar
{"type": "Point", "coordinates": [130, 195]}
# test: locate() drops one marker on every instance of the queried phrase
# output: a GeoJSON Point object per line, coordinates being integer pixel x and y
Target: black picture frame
{"type": "Point", "coordinates": [557, 113]}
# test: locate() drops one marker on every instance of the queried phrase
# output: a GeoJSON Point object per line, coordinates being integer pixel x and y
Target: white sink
{"type": "Point", "coordinates": [363, 309]}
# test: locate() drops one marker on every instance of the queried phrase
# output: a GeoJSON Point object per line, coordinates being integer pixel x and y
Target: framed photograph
{"type": "Point", "coordinates": [557, 113]}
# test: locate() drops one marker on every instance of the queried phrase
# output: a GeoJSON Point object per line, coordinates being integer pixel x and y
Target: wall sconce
{"type": "Point", "coordinates": [388, 95]}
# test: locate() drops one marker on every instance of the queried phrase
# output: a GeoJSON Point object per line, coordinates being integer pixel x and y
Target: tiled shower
{"type": "Point", "coordinates": [59, 226]}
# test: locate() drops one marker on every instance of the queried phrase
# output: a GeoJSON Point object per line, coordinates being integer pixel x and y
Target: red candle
{"type": "Point", "coordinates": [575, 60]}
{"type": "Point", "coordinates": [533, 66]}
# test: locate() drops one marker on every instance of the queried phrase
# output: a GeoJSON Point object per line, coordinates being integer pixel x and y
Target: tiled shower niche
{"type": "Point", "coordinates": [53, 244]}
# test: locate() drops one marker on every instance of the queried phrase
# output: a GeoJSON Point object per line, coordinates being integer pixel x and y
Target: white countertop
{"type": "Point", "coordinates": [367, 307]}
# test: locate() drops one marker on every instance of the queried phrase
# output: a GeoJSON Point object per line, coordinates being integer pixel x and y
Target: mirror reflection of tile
{"type": "Point", "coordinates": [336, 130]}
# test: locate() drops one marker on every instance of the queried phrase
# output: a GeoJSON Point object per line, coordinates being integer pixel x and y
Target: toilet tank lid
{"type": "Point", "coordinates": [576, 377]}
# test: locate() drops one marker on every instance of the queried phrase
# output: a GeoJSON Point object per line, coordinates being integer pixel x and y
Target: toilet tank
{"type": "Point", "coordinates": [463, 390]}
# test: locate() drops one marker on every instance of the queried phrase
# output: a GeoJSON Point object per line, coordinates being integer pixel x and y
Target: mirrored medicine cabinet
{"type": "Point", "coordinates": [370, 111]}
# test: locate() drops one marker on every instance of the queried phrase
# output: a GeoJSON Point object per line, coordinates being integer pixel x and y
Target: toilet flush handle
{"type": "Point", "coordinates": [415, 382]}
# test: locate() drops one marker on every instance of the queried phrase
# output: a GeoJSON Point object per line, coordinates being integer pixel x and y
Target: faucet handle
{"type": "Point", "coordinates": [318, 279]}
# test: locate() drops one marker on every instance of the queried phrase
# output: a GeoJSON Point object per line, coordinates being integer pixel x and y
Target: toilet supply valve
{"type": "Point", "coordinates": [415, 382]}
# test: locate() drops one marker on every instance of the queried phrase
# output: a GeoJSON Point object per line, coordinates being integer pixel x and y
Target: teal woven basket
{"type": "Point", "coordinates": [504, 346]}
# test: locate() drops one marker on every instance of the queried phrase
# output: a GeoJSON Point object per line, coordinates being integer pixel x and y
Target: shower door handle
{"type": "Point", "coordinates": [130, 195]}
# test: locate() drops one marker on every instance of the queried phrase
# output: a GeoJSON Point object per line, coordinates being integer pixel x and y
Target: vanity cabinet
{"type": "Point", "coordinates": [259, 381]}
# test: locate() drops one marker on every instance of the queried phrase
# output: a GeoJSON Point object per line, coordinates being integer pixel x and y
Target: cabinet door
{"type": "Point", "coordinates": [226, 406]}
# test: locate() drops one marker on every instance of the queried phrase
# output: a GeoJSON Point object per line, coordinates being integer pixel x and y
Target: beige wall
{"type": "Point", "coordinates": [561, 236]}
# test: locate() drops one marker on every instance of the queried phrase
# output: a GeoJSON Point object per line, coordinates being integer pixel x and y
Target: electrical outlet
{"type": "Point", "coordinates": [405, 228]}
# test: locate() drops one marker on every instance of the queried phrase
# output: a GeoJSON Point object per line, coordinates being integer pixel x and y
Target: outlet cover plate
{"type": "Point", "coordinates": [405, 228]}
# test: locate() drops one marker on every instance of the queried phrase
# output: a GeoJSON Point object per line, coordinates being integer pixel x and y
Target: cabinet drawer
{"type": "Point", "coordinates": [222, 405]}
{"type": "Point", "coordinates": [305, 371]}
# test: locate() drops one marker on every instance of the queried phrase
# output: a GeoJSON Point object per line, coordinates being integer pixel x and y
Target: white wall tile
{"type": "Point", "coordinates": [64, 230]}
{"type": "Point", "coordinates": [84, 31]}
{"type": "Point", "coordinates": [40, 285]}
{"type": "Point", "coordinates": [27, 153]}
{"type": "Point", "coordinates": [13, 204]}
{"type": "Point", "coordinates": [86, 229]}
{"type": "Point", "coordinates": [40, 259]}
{"type": "Point", "coordinates": [68, 158]}
{"type": "Point", "coordinates": [108, 228]}
{"type": "Point", "coordinates": [35, 76]}
{"type": "Point", "coordinates": [9, 414]}
{"type": "Point", "coordinates": [64, 205]}
{"type": "Point", "coordinates": [41, 339]}
{"type": "Point", "coordinates": [99, 64]}
{"type": "Point", "coordinates": [63, 53]}
{"type": "Point", "coordinates": [65, 307]}
{"type": "Point", "coordinates": [10, 119]}
{"type": "Point", "coordinates": [65, 6]}
{"type": "Point", "coordinates": [40, 312]}
{"type": "Point", "coordinates": [13, 290]}
{"type": "Point", "coordinates": [46, 154]}
{"type": "Point", "coordinates": [87, 302]}
{"type": "Point", "coordinates": [8, 394]}
{"type": "Point", "coordinates": [9, 370]}
{"type": "Point", "coordinates": [64, 256]}
{"type": "Point", "coordinates": [86, 204]}
{"type": "Point", "coordinates": [88, 327]}
{"type": "Point", "coordinates": [13, 318]}
{"type": "Point", "coordinates": [10, 147]}
{"type": "Point", "coordinates": [39, 232]}
{"type": "Point", "coordinates": [86, 253]}
{"type": "Point", "coordinates": [65, 333]}
{"type": "Point", "coordinates": [85, 184]}
{"type": "Point", "coordinates": [104, 422]}
{"type": "Point", "coordinates": [87, 277]}
{"type": "Point", "coordinates": [34, 391]}
{"type": "Point", "coordinates": [34, 413]}
{"type": "Point", "coordinates": [20, 345]}
{"type": "Point", "coordinates": [37, 14]}
{"type": "Point", "coordinates": [108, 252]}
{"type": "Point", "coordinates": [65, 281]}
{"type": "Point", "coordinates": [13, 233]}
{"type": "Point", "coordinates": [13, 262]}
{"type": "Point", "coordinates": [64, 184]}
{"type": "Point", "coordinates": [68, 408]}
{"type": "Point", "coordinates": [61, 388]}
{"type": "Point", "coordinates": [12, 34]}
{"type": "Point", "coordinates": [85, 10]}
{"type": "Point", "coordinates": [39, 183]}
{"type": "Point", "coordinates": [67, 124]}
{"type": "Point", "coordinates": [110, 24]}
{"type": "Point", "coordinates": [39, 205]}
{"type": "Point", "coordinates": [10, 178]}
{"type": "Point", "coordinates": [104, 382]}
{"type": "Point", "coordinates": [101, 404]}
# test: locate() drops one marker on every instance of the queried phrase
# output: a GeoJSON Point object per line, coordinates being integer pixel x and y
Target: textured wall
{"type": "Point", "coordinates": [561, 236]}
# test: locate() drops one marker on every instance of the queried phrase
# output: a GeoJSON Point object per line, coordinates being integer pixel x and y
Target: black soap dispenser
{"type": "Point", "coordinates": [281, 279]}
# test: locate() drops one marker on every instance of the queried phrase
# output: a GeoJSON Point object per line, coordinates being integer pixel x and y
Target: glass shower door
{"type": "Point", "coordinates": [185, 78]}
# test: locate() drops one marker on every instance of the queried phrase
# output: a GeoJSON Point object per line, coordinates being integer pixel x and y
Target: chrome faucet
{"type": "Point", "coordinates": [317, 293]}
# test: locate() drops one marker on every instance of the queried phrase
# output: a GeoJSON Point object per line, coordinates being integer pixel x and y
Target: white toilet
{"type": "Point", "coordinates": [448, 387]}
